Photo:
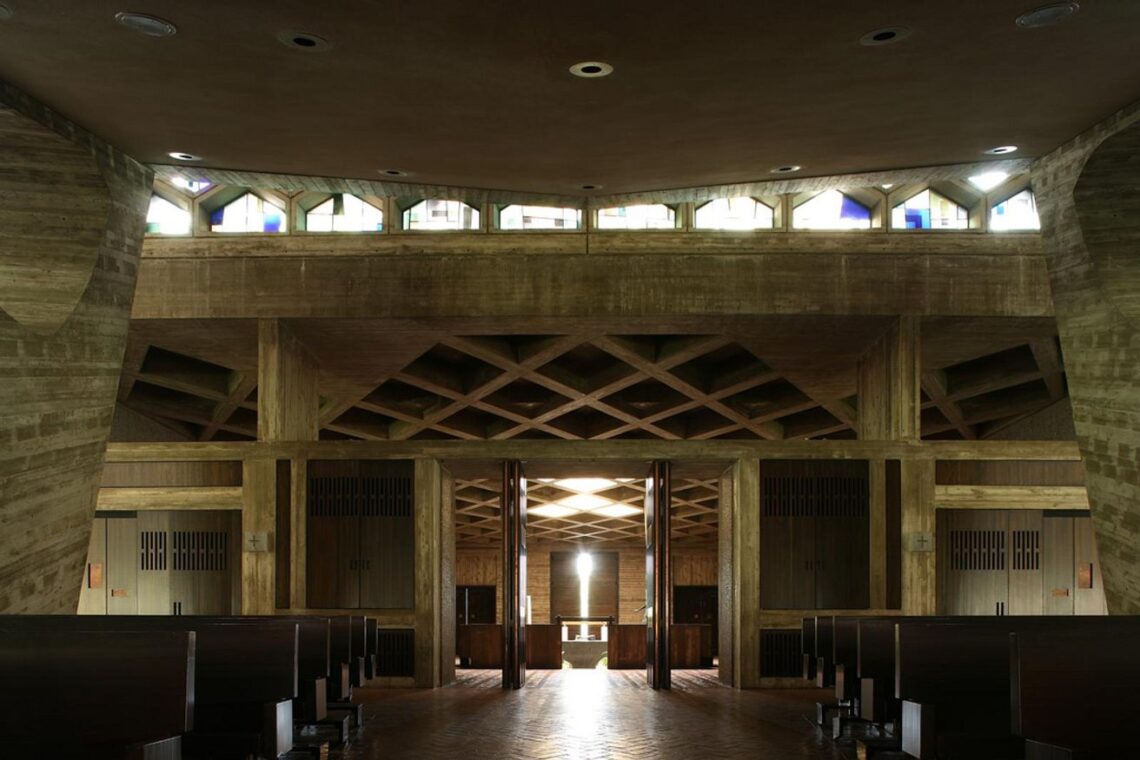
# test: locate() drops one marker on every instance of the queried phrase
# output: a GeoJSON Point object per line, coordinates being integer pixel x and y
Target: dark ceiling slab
{"type": "Point", "coordinates": [478, 95]}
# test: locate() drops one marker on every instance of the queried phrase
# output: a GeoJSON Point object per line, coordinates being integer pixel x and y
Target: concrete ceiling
{"type": "Point", "coordinates": [478, 95]}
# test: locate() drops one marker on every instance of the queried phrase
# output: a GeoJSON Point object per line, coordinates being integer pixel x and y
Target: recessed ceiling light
{"type": "Point", "coordinates": [1001, 150]}
{"type": "Point", "coordinates": [887, 185]}
{"type": "Point", "coordinates": [394, 172]}
{"type": "Point", "coordinates": [5, 13]}
{"type": "Point", "coordinates": [1047, 15]}
{"type": "Point", "coordinates": [180, 156]}
{"type": "Point", "coordinates": [885, 36]}
{"type": "Point", "coordinates": [585, 485]}
{"type": "Point", "coordinates": [591, 187]}
{"type": "Point", "coordinates": [591, 69]}
{"type": "Point", "coordinates": [151, 26]}
{"type": "Point", "coordinates": [551, 510]}
{"type": "Point", "coordinates": [585, 502]}
{"type": "Point", "coordinates": [617, 510]}
{"type": "Point", "coordinates": [303, 41]}
{"type": "Point", "coordinates": [790, 168]}
{"type": "Point", "coordinates": [987, 181]}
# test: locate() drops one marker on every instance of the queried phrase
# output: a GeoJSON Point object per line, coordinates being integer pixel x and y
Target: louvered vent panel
{"type": "Point", "coordinates": [1026, 550]}
{"type": "Point", "coordinates": [977, 550]}
{"type": "Point", "coordinates": [780, 653]}
{"type": "Point", "coordinates": [396, 652]}
{"type": "Point", "coordinates": [200, 550]}
{"type": "Point", "coordinates": [152, 550]}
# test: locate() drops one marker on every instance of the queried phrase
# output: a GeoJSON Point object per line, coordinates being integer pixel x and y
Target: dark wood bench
{"type": "Point", "coordinates": [340, 658]}
{"type": "Point", "coordinates": [369, 648]}
{"type": "Point", "coordinates": [357, 669]}
{"type": "Point", "coordinates": [1071, 696]}
{"type": "Point", "coordinates": [108, 694]}
{"type": "Point", "coordinates": [245, 675]}
{"type": "Point", "coordinates": [824, 648]}
{"type": "Point", "coordinates": [627, 647]}
{"type": "Point", "coordinates": [807, 648]}
{"type": "Point", "coordinates": [954, 679]}
{"type": "Point", "coordinates": [544, 646]}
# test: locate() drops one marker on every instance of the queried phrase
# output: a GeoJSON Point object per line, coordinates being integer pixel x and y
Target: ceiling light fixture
{"type": "Point", "coordinates": [303, 41]}
{"type": "Point", "coordinates": [180, 156]}
{"type": "Point", "coordinates": [885, 36]}
{"type": "Point", "coordinates": [151, 26]}
{"type": "Point", "coordinates": [585, 485]}
{"type": "Point", "coordinates": [551, 510]}
{"type": "Point", "coordinates": [1047, 15]}
{"type": "Point", "coordinates": [584, 502]}
{"type": "Point", "coordinates": [591, 187]}
{"type": "Point", "coordinates": [394, 172]}
{"type": "Point", "coordinates": [591, 69]}
{"type": "Point", "coordinates": [1001, 150]}
{"type": "Point", "coordinates": [789, 169]}
{"type": "Point", "coordinates": [617, 510]}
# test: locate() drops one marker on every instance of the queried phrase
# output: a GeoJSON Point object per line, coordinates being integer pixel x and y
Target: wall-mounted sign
{"type": "Point", "coordinates": [256, 541]}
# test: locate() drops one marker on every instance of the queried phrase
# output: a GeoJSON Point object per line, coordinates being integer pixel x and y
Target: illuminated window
{"type": "Point", "coordinates": [735, 214]}
{"type": "Point", "coordinates": [1018, 212]}
{"type": "Point", "coordinates": [539, 218]}
{"type": "Point", "coordinates": [832, 210]}
{"type": "Point", "coordinates": [929, 211]}
{"type": "Point", "coordinates": [192, 186]}
{"type": "Point", "coordinates": [249, 213]}
{"type": "Point", "coordinates": [441, 215]}
{"type": "Point", "coordinates": [655, 216]}
{"type": "Point", "coordinates": [164, 218]}
{"type": "Point", "coordinates": [344, 213]}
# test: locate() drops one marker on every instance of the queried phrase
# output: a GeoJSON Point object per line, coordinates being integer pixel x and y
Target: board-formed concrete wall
{"type": "Point", "coordinates": [1088, 195]}
{"type": "Point", "coordinates": [72, 214]}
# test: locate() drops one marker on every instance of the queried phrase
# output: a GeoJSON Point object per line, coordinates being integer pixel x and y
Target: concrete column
{"type": "Point", "coordinates": [72, 215]}
{"type": "Point", "coordinates": [890, 409]}
{"type": "Point", "coordinates": [429, 578]}
{"type": "Point", "coordinates": [1087, 197]}
{"type": "Point", "coordinates": [746, 571]}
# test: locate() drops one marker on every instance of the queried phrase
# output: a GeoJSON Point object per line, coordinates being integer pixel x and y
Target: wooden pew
{"type": "Point", "coordinates": [340, 657]}
{"type": "Point", "coordinates": [824, 649]}
{"type": "Point", "coordinates": [369, 648]}
{"type": "Point", "coordinates": [358, 628]}
{"type": "Point", "coordinates": [483, 644]}
{"type": "Point", "coordinates": [807, 647]}
{"type": "Point", "coordinates": [1071, 696]}
{"type": "Point", "coordinates": [954, 680]}
{"type": "Point", "coordinates": [544, 646]}
{"type": "Point", "coordinates": [627, 647]}
{"type": "Point", "coordinates": [101, 695]}
{"type": "Point", "coordinates": [245, 675]}
{"type": "Point", "coordinates": [875, 668]}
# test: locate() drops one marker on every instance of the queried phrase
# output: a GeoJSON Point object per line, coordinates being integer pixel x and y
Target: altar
{"type": "Point", "coordinates": [585, 640]}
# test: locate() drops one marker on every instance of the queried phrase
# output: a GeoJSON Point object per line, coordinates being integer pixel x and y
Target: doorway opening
{"type": "Point", "coordinates": [585, 605]}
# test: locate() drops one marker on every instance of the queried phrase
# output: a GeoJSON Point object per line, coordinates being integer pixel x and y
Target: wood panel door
{"type": "Point", "coordinates": [973, 562]}
{"type": "Point", "coordinates": [475, 605]}
{"type": "Point", "coordinates": [1058, 562]}
{"type": "Point", "coordinates": [1026, 579]}
{"type": "Point", "coordinates": [842, 536]}
{"type": "Point", "coordinates": [122, 564]}
{"type": "Point", "coordinates": [514, 575]}
{"type": "Point", "coordinates": [332, 543]}
{"type": "Point", "coordinates": [788, 537]}
{"type": "Point", "coordinates": [204, 562]}
{"type": "Point", "coordinates": [697, 605]}
{"type": "Point", "coordinates": [657, 575]}
{"type": "Point", "coordinates": [387, 535]}
{"type": "Point", "coordinates": [154, 576]}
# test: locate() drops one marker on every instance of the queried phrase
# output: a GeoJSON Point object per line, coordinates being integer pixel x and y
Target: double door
{"type": "Point", "coordinates": [163, 563]}
{"type": "Point", "coordinates": [1017, 562]}
{"type": "Point", "coordinates": [814, 535]}
{"type": "Point", "coordinates": [360, 542]}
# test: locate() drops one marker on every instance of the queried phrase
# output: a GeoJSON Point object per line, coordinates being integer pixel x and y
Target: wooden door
{"type": "Point", "coordinates": [154, 563]}
{"type": "Point", "coordinates": [1089, 587]}
{"type": "Point", "coordinates": [203, 562]}
{"type": "Point", "coordinates": [787, 537]}
{"type": "Point", "coordinates": [93, 592]}
{"type": "Point", "coordinates": [657, 575]}
{"type": "Point", "coordinates": [972, 560]}
{"type": "Point", "coordinates": [475, 604]}
{"type": "Point", "coordinates": [1058, 564]}
{"type": "Point", "coordinates": [332, 545]}
{"type": "Point", "coordinates": [1026, 578]}
{"type": "Point", "coordinates": [698, 605]}
{"type": "Point", "coordinates": [841, 495]}
{"type": "Point", "coordinates": [122, 564]}
{"type": "Point", "coordinates": [387, 535]}
{"type": "Point", "coordinates": [514, 575]}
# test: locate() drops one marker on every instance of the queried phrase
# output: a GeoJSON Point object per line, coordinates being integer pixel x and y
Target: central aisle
{"type": "Point", "coordinates": [586, 714]}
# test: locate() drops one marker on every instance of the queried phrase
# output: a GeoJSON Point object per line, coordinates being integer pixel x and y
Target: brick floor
{"type": "Point", "coordinates": [586, 714]}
